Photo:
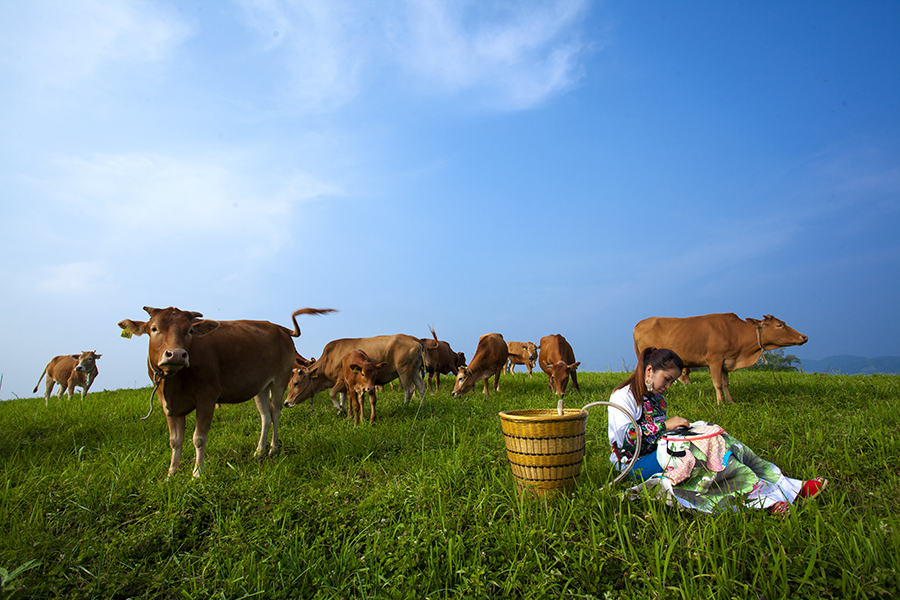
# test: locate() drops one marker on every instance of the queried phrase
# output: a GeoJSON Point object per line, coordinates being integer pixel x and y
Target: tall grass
{"type": "Point", "coordinates": [422, 504]}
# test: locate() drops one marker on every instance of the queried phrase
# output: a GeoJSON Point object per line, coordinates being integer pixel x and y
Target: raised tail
{"type": "Point", "coordinates": [308, 311]}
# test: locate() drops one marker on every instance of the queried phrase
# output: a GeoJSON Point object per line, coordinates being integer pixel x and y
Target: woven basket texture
{"type": "Point", "coordinates": [545, 449]}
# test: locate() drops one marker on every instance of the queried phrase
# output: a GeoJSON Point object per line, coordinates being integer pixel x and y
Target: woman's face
{"type": "Point", "coordinates": [662, 378]}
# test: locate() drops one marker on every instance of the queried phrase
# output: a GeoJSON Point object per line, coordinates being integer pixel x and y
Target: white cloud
{"type": "Point", "coordinates": [510, 55]}
{"type": "Point", "coordinates": [57, 44]}
{"type": "Point", "coordinates": [521, 54]}
{"type": "Point", "coordinates": [136, 198]}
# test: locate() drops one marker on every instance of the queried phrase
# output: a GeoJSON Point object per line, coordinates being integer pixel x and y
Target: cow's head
{"type": "Point", "coordinates": [171, 331]}
{"type": "Point", "coordinates": [365, 373]}
{"type": "Point", "coordinates": [532, 353]}
{"type": "Point", "coordinates": [465, 381]}
{"type": "Point", "coordinates": [559, 376]}
{"type": "Point", "coordinates": [774, 333]}
{"type": "Point", "coordinates": [301, 387]}
{"type": "Point", "coordinates": [460, 359]}
{"type": "Point", "coordinates": [86, 361]}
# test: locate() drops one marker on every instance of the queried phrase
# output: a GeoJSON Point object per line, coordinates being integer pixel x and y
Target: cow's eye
{"type": "Point", "coordinates": [153, 329]}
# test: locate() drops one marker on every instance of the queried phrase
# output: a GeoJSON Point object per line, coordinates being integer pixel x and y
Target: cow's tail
{"type": "Point", "coordinates": [37, 385]}
{"type": "Point", "coordinates": [307, 311]}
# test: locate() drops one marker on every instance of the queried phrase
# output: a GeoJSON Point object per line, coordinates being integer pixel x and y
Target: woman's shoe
{"type": "Point", "coordinates": [812, 487]}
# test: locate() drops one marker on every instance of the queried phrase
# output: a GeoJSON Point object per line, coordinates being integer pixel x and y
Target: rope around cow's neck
{"type": "Point", "coordinates": [759, 341]}
{"type": "Point", "coordinates": [158, 377]}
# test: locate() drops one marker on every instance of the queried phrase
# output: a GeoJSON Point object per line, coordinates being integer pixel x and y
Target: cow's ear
{"type": "Point", "coordinates": [354, 369]}
{"type": "Point", "coordinates": [574, 366]}
{"type": "Point", "coordinates": [753, 321]}
{"type": "Point", "coordinates": [96, 356]}
{"type": "Point", "coordinates": [75, 356]}
{"type": "Point", "coordinates": [380, 366]}
{"type": "Point", "coordinates": [130, 327]}
{"type": "Point", "coordinates": [203, 327]}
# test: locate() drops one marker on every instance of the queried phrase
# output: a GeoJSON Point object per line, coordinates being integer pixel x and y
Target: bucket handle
{"type": "Point", "coordinates": [637, 429]}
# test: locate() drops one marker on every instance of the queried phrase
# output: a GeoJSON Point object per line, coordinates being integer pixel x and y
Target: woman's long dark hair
{"type": "Point", "coordinates": [658, 358]}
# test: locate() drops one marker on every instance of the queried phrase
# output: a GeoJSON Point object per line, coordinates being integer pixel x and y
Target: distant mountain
{"type": "Point", "coordinates": [852, 365]}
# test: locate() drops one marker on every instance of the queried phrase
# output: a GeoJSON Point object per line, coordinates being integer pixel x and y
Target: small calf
{"type": "Point", "coordinates": [358, 376]}
{"type": "Point", "coordinates": [69, 371]}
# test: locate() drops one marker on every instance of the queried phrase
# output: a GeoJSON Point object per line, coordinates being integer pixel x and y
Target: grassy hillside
{"type": "Point", "coordinates": [423, 504]}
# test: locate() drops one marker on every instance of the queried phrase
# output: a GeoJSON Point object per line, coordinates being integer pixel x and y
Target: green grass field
{"type": "Point", "coordinates": [423, 503]}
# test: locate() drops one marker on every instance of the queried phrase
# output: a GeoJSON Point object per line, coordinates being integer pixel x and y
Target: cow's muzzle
{"type": "Point", "coordinates": [174, 360]}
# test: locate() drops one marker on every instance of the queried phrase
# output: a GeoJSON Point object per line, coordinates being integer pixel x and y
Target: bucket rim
{"type": "Point", "coordinates": [532, 415]}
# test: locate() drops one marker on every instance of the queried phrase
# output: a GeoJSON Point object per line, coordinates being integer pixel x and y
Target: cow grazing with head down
{"type": "Point", "coordinates": [557, 360]}
{"type": "Point", "coordinates": [522, 353]}
{"type": "Point", "coordinates": [723, 342]}
{"type": "Point", "coordinates": [403, 355]}
{"type": "Point", "coordinates": [440, 359]}
{"type": "Point", "coordinates": [489, 359]}
{"type": "Point", "coordinates": [69, 371]}
{"type": "Point", "coordinates": [358, 376]}
{"type": "Point", "coordinates": [197, 363]}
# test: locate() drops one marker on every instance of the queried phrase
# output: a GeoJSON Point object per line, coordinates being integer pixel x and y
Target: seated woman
{"type": "Point", "coordinates": [701, 469]}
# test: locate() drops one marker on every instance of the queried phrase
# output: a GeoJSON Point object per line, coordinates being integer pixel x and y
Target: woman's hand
{"type": "Point", "coordinates": [676, 422]}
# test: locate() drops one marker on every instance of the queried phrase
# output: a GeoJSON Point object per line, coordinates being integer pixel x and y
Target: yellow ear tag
{"type": "Point", "coordinates": [126, 333]}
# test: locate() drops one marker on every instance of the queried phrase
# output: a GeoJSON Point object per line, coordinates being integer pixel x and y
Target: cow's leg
{"type": "Point", "coordinates": [410, 385]}
{"type": "Point", "coordinates": [47, 390]}
{"type": "Point", "coordinates": [275, 406]}
{"type": "Point", "coordinates": [487, 386]}
{"type": "Point", "coordinates": [202, 425]}
{"type": "Point", "coordinates": [265, 416]}
{"type": "Point", "coordinates": [529, 367]}
{"type": "Point", "coordinates": [725, 390]}
{"type": "Point", "coordinates": [497, 380]}
{"type": "Point", "coordinates": [372, 401]}
{"type": "Point", "coordinates": [715, 371]}
{"type": "Point", "coordinates": [176, 441]}
{"type": "Point", "coordinates": [575, 381]}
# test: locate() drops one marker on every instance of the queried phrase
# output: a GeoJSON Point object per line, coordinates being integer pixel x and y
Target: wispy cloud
{"type": "Point", "coordinates": [506, 55]}
{"type": "Point", "coordinates": [136, 198]}
{"type": "Point", "coordinates": [57, 44]}
{"type": "Point", "coordinates": [517, 54]}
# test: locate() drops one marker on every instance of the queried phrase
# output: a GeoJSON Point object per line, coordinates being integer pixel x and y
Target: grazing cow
{"type": "Point", "coordinates": [557, 360]}
{"type": "Point", "coordinates": [521, 353]}
{"type": "Point", "coordinates": [723, 342]}
{"type": "Point", "coordinates": [403, 354]}
{"type": "Point", "coordinates": [196, 364]}
{"type": "Point", "coordinates": [490, 357]}
{"type": "Point", "coordinates": [358, 375]}
{"type": "Point", "coordinates": [69, 371]}
{"type": "Point", "coordinates": [440, 359]}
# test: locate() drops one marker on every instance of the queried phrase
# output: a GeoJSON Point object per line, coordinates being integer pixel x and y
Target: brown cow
{"type": "Point", "coordinates": [358, 375]}
{"type": "Point", "coordinates": [197, 363]}
{"type": "Point", "coordinates": [557, 360]}
{"type": "Point", "coordinates": [69, 371]}
{"type": "Point", "coordinates": [723, 342]}
{"type": "Point", "coordinates": [490, 357]}
{"type": "Point", "coordinates": [521, 353]}
{"type": "Point", "coordinates": [403, 354]}
{"type": "Point", "coordinates": [440, 359]}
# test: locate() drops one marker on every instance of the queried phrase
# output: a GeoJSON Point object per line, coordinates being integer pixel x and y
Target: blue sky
{"type": "Point", "coordinates": [521, 167]}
